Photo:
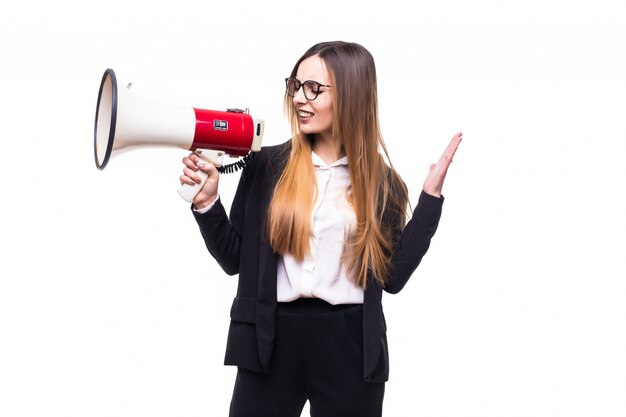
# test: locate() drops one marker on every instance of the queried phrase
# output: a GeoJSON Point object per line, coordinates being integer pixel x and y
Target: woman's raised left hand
{"type": "Point", "coordinates": [437, 174]}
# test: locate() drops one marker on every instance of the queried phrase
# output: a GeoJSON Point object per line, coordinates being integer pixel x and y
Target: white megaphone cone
{"type": "Point", "coordinates": [125, 120]}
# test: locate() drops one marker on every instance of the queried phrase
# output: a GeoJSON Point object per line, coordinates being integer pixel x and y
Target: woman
{"type": "Point", "coordinates": [316, 232]}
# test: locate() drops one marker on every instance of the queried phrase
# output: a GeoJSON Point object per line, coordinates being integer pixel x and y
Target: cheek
{"type": "Point", "coordinates": [327, 110]}
{"type": "Point", "coordinates": [327, 116]}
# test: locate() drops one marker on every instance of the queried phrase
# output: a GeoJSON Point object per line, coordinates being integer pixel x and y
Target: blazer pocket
{"type": "Point", "coordinates": [243, 310]}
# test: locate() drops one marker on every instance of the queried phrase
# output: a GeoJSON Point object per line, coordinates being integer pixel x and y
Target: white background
{"type": "Point", "coordinates": [111, 306]}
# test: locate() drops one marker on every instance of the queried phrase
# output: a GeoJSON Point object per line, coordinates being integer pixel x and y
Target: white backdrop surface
{"type": "Point", "coordinates": [111, 306]}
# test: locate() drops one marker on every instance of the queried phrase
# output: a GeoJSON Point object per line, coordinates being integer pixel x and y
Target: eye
{"type": "Point", "coordinates": [311, 87]}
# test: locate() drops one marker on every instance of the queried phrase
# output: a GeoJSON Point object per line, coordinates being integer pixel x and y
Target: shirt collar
{"type": "Point", "coordinates": [319, 162]}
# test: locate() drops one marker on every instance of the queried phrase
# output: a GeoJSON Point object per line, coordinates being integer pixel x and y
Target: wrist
{"type": "Point", "coordinates": [204, 203]}
{"type": "Point", "coordinates": [433, 193]}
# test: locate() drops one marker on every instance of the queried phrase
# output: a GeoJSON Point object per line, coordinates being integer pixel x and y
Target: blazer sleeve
{"type": "Point", "coordinates": [223, 235]}
{"type": "Point", "coordinates": [414, 241]}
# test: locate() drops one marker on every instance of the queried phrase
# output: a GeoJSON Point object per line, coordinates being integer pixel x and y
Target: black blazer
{"type": "Point", "coordinates": [238, 245]}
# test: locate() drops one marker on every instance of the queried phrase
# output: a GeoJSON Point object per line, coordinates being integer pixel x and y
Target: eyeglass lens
{"type": "Point", "coordinates": [310, 88]}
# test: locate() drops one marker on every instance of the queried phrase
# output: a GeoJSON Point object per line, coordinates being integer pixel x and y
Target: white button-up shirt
{"type": "Point", "coordinates": [322, 274]}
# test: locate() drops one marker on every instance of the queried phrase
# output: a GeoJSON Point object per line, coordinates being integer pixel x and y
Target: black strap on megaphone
{"type": "Point", "coordinates": [236, 166]}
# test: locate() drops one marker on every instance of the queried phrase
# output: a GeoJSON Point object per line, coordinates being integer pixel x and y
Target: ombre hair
{"type": "Point", "coordinates": [377, 192]}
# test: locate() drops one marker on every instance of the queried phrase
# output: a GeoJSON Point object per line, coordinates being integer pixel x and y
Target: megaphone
{"type": "Point", "coordinates": [125, 120]}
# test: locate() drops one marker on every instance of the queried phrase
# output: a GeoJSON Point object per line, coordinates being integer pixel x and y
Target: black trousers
{"type": "Point", "coordinates": [318, 355]}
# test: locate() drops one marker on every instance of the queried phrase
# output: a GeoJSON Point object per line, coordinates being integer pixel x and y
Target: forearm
{"type": "Point", "coordinates": [220, 237]}
{"type": "Point", "coordinates": [414, 241]}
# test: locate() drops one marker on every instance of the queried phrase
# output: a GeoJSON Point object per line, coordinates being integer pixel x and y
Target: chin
{"type": "Point", "coordinates": [308, 130]}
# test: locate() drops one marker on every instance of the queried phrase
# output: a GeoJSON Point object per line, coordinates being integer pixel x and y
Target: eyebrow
{"type": "Point", "coordinates": [303, 81]}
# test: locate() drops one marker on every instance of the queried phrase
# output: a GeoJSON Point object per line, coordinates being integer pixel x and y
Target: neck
{"type": "Point", "coordinates": [326, 148]}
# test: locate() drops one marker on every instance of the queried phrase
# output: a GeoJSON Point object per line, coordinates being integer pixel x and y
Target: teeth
{"type": "Point", "coordinates": [305, 113]}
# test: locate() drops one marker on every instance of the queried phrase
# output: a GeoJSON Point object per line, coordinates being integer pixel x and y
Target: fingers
{"type": "Point", "coordinates": [191, 174]}
{"type": "Point", "coordinates": [448, 154]}
{"type": "Point", "coordinates": [446, 158]}
{"type": "Point", "coordinates": [453, 146]}
{"type": "Point", "coordinates": [191, 161]}
{"type": "Point", "coordinates": [193, 164]}
{"type": "Point", "coordinates": [185, 180]}
{"type": "Point", "coordinates": [437, 172]}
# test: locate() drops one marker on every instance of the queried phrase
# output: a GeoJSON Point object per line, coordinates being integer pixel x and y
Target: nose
{"type": "Point", "coordinates": [299, 97]}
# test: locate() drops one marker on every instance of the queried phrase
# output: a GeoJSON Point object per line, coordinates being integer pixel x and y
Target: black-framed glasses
{"type": "Point", "coordinates": [311, 88]}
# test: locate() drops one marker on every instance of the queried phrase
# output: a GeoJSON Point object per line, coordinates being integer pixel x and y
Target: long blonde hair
{"type": "Point", "coordinates": [376, 189]}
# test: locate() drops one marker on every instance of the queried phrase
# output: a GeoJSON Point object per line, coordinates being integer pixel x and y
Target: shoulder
{"type": "Point", "coordinates": [394, 180]}
{"type": "Point", "coordinates": [394, 212]}
{"type": "Point", "coordinates": [265, 166]}
{"type": "Point", "coordinates": [271, 159]}
{"type": "Point", "coordinates": [268, 153]}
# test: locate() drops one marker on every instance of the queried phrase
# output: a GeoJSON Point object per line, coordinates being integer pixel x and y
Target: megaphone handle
{"type": "Point", "coordinates": [188, 192]}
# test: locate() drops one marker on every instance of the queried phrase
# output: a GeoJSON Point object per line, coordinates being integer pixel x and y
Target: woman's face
{"type": "Point", "coordinates": [314, 116]}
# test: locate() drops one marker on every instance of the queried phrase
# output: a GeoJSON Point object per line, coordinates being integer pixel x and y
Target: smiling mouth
{"type": "Point", "coordinates": [305, 114]}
